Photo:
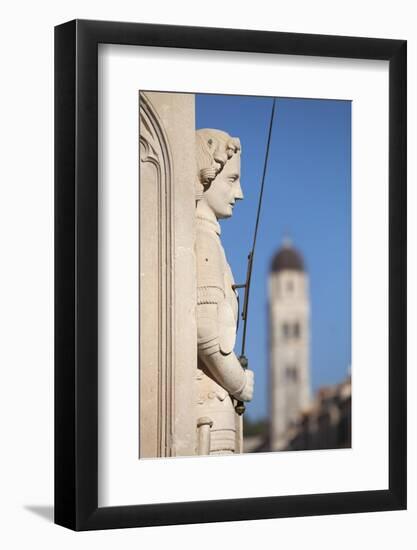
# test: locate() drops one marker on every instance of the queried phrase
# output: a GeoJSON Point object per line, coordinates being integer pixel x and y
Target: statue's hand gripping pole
{"type": "Point", "coordinates": [240, 406]}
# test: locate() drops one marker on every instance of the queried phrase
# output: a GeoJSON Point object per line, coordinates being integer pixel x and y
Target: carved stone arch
{"type": "Point", "coordinates": [156, 323]}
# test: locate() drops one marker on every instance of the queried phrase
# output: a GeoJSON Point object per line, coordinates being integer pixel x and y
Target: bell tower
{"type": "Point", "coordinates": [289, 336]}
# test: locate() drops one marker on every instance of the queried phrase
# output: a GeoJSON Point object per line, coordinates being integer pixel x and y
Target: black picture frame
{"type": "Point", "coordinates": [76, 271]}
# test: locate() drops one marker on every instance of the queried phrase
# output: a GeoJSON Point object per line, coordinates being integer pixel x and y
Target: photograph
{"type": "Point", "coordinates": [230, 274]}
{"type": "Point", "coordinates": [245, 274]}
{"type": "Point", "coordinates": [210, 257]}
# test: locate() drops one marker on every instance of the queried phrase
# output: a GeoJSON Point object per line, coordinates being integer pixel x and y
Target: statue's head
{"type": "Point", "coordinates": [218, 165]}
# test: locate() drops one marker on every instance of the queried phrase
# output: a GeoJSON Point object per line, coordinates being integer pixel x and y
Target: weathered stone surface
{"type": "Point", "coordinates": [168, 343]}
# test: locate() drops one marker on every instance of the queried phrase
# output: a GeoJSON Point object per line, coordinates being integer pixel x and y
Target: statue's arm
{"type": "Point", "coordinates": [218, 358]}
{"type": "Point", "coordinates": [224, 368]}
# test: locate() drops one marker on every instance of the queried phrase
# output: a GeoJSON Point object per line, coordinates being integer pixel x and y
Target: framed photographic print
{"type": "Point", "coordinates": [230, 252]}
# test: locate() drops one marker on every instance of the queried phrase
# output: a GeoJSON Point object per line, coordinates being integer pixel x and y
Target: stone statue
{"type": "Point", "coordinates": [221, 380]}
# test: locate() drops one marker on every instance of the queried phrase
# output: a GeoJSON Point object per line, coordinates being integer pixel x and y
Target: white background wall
{"type": "Point", "coordinates": [26, 290]}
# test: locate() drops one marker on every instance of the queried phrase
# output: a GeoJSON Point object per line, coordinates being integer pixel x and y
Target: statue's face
{"type": "Point", "coordinates": [225, 189]}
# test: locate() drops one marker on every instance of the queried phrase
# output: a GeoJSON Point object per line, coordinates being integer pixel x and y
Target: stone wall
{"type": "Point", "coordinates": [168, 347]}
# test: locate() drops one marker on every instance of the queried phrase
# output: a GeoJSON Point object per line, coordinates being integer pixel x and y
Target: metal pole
{"type": "Point", "coordinates": [240, 407]}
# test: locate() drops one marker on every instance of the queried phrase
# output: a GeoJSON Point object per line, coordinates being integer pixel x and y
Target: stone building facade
{"type": "Point", "coordinates": [327, 423]}
{"type": "Point", "coordinates": [167, 266]}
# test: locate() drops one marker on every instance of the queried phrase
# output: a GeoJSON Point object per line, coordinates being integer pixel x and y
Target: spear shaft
{"type": "Point", "coordinates": [240, 407]}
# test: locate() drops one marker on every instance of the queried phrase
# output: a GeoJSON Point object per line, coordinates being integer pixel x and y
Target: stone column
{"type": "Point", "coordinates": [168, 342]}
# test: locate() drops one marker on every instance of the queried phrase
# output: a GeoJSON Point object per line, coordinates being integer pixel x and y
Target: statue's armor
{"type": "Point", "coordinates": [214, 286]}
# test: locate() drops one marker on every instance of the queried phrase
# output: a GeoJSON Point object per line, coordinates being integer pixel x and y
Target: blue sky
{"type": "Point", "coordinates": [307, 196]}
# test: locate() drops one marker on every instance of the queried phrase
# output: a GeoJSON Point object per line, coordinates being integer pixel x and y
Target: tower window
{"type": "Point", "coordinates": [291, 373]}
{"type": "Point", "coordinates": [296, 330]}
{"type": "Point", "coordinates": [290, 286]}
{"type": "Point", "coordinates": [291, 330]}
